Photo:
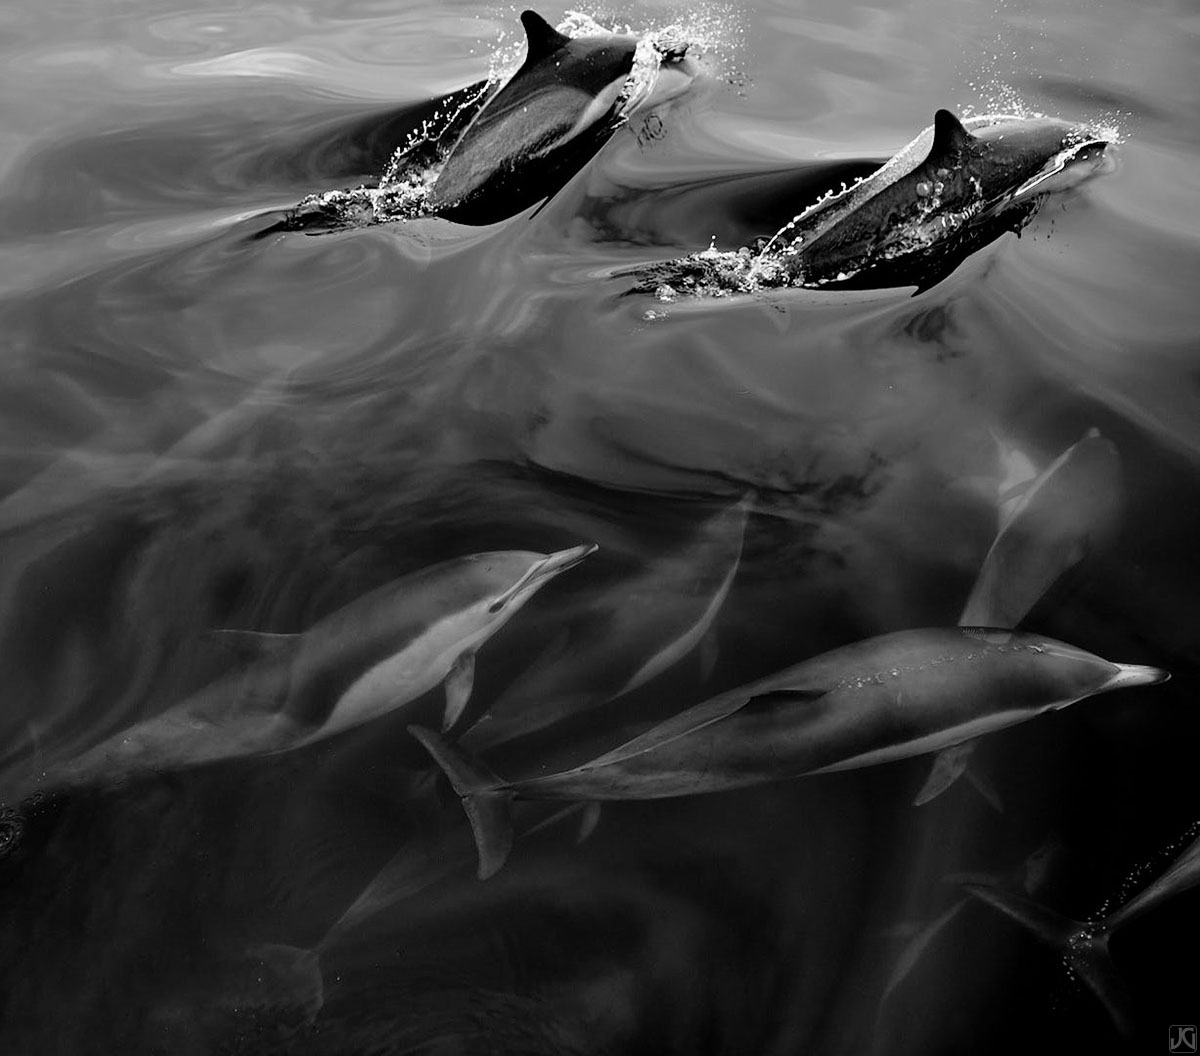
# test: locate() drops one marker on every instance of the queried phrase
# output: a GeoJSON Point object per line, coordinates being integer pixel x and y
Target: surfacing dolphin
{"type": "Point", "coordinates": [489, 152]}
{"type": "Point", "coordinates": [377, 654]}
{"type": "Point", "coordinates": [951, 191]}
{"type": "Point", "coordinates": [875, 701]}
{"type": "Point", "coordinates": [564, 103]}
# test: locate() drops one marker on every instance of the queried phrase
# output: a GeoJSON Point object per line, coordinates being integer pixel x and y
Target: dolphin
{"type": "Point", "coordinates": [363, 661]}
{"type": "Point", "coordinates": [292, 975]}
{"type": "Point", "coordinates": [953, 177]}
{"type": "Point", "coordinates": [624, 636]}
{"type": "Point", "coordinates": [487, 151]}
{"type": "Point", "coordinates": [1045, 529]}
{"type": "Point", "coordinates": [566, 100]}
{"type": "Point", "coordinates": [886, 698]}
{"type": "Point", "coordinates": [1082, 946]}
{"type": "Point", "coordinates": [1055, 521]}
{"type": "Point", "coordinates": [952, 190]}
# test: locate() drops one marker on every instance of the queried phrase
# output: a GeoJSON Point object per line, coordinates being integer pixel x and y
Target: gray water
{"type": "Point", "coordinates": [204, 429]}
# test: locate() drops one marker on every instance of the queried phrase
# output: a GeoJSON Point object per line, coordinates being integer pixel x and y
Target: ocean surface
{"type": "Point", "coordinates": [203, 429]}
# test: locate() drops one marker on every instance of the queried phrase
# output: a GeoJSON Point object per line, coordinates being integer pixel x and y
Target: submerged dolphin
{"type": "Point", "coordinates": [363, 661]}
{"type": "Point", "coordinates": [418, 867]}
{"type": "Point", "coordinates": [886, 698]}
{"type": "Point", "coordinates": [1051, 526]}
{"type": "Point", "coordinates": [1043, 532]}
{"type": "Point", "coordinates": [567, 99]}
{"type": "Point", "coordinates": [624, 636]}
{"type": "Point", "coordinates": [951, 191]}
{"type": "Point", "coordinates": [1084, 946]}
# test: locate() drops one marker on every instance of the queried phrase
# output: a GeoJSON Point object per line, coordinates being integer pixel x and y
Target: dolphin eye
{"type": "Point", "coordinates": [496, 606]}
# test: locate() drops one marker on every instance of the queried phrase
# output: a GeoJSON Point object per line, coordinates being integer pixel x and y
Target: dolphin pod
{"type": "Point", "coordinates": [366, 660]}
{"type": "Point", "coordinates": [490, 151]}
{"type": "Point", "coordinates": [886, 698]}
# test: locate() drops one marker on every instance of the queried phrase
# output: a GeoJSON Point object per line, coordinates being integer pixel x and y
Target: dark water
{"type": "Point", "coordinates": [202, 429]}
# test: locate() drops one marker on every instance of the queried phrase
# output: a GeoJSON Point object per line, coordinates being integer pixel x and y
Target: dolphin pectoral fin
{"type": "Point", "coordinates": [589, 821]}
{"type": "Point", "coordinates": [948, 766]}
{"type": "Point", "coordinates": [254, 645]}
{"type": "Point", "coordinates": [458, 685]}
{"type": "Point", "coordinates": [1082, 947]}
{"type": "Point", "coordinates": [486, 799]}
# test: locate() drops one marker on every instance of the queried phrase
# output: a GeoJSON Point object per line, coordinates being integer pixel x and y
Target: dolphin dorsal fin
{"type": "Point", "coordinates": [949, 136]}
{"type": "Point", "coordinates": [541, 37]}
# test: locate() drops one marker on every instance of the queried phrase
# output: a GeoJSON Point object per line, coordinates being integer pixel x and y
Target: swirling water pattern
{"type": "Point", "coordinates": [203, 429]}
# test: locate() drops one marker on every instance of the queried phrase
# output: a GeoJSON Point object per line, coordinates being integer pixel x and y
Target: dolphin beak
{"type": "Point", "coordinates": [1135, 675]}
{"type": "Point", "coordinates": [541, 572]}
{"type": "Point", "coordinates": [552, 564]}
{"type": "Point", "coordinates": [1066, 169]}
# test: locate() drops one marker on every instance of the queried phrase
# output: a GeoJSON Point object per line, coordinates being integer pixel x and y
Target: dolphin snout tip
{"type": "Point", "coordinates": [561, 560]}
{"type": "Point", "coordinates": [1137, 675]}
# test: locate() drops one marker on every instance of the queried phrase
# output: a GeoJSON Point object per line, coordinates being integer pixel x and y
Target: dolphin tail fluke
{"type": "Point", "coordinates": [486, 799]}
{"type": "Point", "coordinates": [1082, 947]}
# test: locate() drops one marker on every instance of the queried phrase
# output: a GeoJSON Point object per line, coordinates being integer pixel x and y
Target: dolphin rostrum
{"type": "Point", "coordinates": [623, 636]}
{"type": "Point", "coordinates": [363, 661]}
{"type": "Point", "coordinates": [886, 698]}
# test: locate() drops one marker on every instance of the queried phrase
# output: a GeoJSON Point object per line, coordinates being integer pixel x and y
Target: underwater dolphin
{"type": "Point", "coordinates": [951, 191]}
{"type": "Point", "coordinates": [418, 867]}
{"type": "Point", "coordinates": [882, 699]}
{"type": "Point", "coordinates": [1043, 532]}
{"type": "Point", "coordinates": [1082, 946]}
{"type": "Point", "coordinates": [361, 662]}
{"type": "Point", "coordinates": [1070, 504]}
{"type": "Point", "coordinates": [567, 99]}
{"type": "Point", "coordinates": [624, 636]}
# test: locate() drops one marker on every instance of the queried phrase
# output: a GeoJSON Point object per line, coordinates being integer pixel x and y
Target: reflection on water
{"type": "Point", "coordinates": [204, 429]}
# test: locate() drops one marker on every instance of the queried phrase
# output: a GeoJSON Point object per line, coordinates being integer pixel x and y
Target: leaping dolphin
{"type": "Point", "coordinates": [488, 151]}
{"type": "Point", "coordinates": [567, 99]}
{"type": "Point", "coordinates": [952, 190]}
{"type": "Point", "coordinates": [883, 699]}
{"type": "Point", "coordinates": [363, 661]}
